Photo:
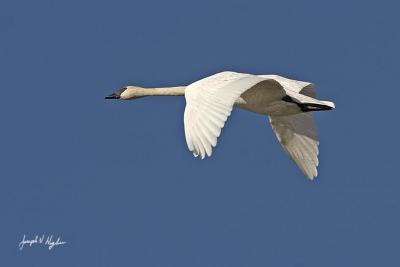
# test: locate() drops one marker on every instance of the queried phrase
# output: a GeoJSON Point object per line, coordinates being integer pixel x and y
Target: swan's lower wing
{"type": "Point", "coordinates": [299, 138]}
{"type": "Point", "coordinates": [209, 103]}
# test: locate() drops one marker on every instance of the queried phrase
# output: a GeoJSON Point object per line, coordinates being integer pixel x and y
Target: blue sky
{"type": "Point", "coordinates": [116, 180]}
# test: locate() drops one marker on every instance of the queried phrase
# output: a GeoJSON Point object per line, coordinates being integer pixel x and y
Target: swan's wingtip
{"type": "Point", "coordinates": [312, 176]}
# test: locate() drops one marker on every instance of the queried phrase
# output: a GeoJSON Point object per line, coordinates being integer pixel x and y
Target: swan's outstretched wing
{"type": "Point", "coordinates": [299, 138]}
{"type": "Point", "coordinates": [209, 103]}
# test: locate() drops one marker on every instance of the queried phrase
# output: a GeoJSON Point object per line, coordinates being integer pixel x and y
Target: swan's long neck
{"type": "Point", "coordinates": [163, 91]}
{"type": "Point", "coordinates": [168, 91]}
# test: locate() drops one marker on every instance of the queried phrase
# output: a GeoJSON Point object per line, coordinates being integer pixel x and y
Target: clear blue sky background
{"type": "Point", "coordinates": [116, 180]}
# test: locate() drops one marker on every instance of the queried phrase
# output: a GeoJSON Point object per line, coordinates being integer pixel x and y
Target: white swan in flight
{"type": "Point", "coordinates": [209, 103]}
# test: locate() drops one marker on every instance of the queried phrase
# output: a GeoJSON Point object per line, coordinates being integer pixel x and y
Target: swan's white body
{"type": "Point", "coordinates": [209, 103]}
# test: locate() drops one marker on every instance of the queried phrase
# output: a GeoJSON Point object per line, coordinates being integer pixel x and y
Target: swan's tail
{"type": "Point", "coordinates": [307, 103]}
{"type": "Point", "coordinates": [321, 105]}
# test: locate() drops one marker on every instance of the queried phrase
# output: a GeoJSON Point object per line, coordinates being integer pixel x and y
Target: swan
{"type": "Point", "coordinates": [209, 102]}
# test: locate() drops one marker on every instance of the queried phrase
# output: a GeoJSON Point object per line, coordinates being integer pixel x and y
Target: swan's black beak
{"type": "Point", "coordinates": [113, 96]}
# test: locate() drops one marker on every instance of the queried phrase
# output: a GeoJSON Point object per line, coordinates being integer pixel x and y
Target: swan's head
{"type": "Point", "coordinates": [128, 92]}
